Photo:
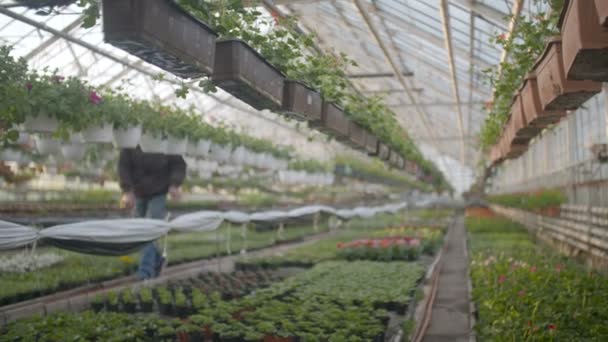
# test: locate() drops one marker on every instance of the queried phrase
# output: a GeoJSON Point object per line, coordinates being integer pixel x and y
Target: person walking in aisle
{"type": "Point", "coordinates": [146, 179]}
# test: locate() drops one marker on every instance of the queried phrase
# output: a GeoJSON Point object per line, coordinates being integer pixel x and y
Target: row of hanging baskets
{"type": "Point", "coordinates": [162, 33]}
{"type": "Point", "coordinates": [566, 75]}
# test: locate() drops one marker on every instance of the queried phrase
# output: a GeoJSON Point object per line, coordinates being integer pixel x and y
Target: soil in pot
{"type": "Point", "coordinates": [161, 33]}
{"type": "Point", "coordinates": [244, 73]}
{"type": "Point", "coordinates": [555, 91]}
{"type": "Point", "coordinates": [585, 41]}
{"type": "Point", "coordinates": [302, 102]}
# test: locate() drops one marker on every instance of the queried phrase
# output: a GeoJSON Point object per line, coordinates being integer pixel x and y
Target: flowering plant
{"type": "Point", "coordinates": [386, 249]}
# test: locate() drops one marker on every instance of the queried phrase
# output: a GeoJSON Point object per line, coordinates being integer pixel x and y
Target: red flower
{"type": "Point", "coordinates": [551, 327]}
{"type": "Point", "coordinates": [276, 17]}
{"type": "Point", "coordinates": [502, 279]}
{"type": "Point", "coordinates": [502, 37]}
{"type": "Point", "coordinates": [94, 98]}
{"type": "Point", "coordinates": [340, 245]}
{"type": "Point", "coordinates": [533, 269]}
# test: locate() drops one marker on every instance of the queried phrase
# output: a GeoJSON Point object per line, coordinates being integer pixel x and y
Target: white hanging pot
{"type": "Point", "coordinates": [46, 144]}
{"type": "Point", "coordinates": [151, 144]}
{"type": "Point", "coordinates": [238, 156]}
{"type": "Point", "coordinates": [248, 158]}
{"type": "Point", "coordinates": [73, 151]}
{"type": "Point", "coordinates": [42, 123]}
{"type": "Point", "coordinates": [10, 155]}
{"type": "Point", "coordinates": [177, 146]}
{"type": "Point", "coordinates": [190, 162]}
{"type": "Point", "coordinates": [191, 149]}
{"type": "Point", "coordinates": [23, 139]}
{"type": "Point", "coordinates": [220, 153]}
{"type": "Point", "coordinates": [98, 133]}
{"type": "Point", "coordinates": [127, 137]}
{"type": "Point", "coordinates": [202, 148]}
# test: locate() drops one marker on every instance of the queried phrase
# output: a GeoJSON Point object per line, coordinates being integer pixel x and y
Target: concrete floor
{"type": "Point", "coordinates": [450, 320]}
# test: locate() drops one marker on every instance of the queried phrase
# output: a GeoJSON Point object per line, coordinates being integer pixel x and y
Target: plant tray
{"type": "Point", "coordinates": [335, 122]}
{"type": "Point", "coordinates": [371, 144]}
{"type": "Point", "coordinates": [383, 151]}
{"type": "Point", "coordinates": [555, 91]}
{"type": "Point", "coordinates": [244, 73]}
{"type": "Point", "coordinates": [585, 41]}
{"type": "Point", "coordinates": [357, 135]}
{"type": "Point", "coordinates": [302, 103]}
{"type": "Point", "coordinates": [161, 33]}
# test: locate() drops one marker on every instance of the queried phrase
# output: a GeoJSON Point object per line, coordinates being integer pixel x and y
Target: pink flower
{"type": "Point", "coordinates": [94, 98]}
{"type": "Point", "coordinates": [533, 269]}
{"type": "Point", "coordinates": [502, 279]}
{"type": "Point", "coordinates": [502, 37]}
{"type": "Point", "coordinates": [340, 245]}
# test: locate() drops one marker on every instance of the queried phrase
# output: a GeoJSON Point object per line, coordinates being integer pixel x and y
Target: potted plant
{"type": "Point", "coordinates": [302, 102]}
{"type": "Point", "coordinates": [43, 97]}
{"type": "Point", "coordinates": [533, 111]}
{"type": "Point", "coordinates": [181, 304]}
{"type": "Point", "coordinates": [98, 128]}
{"type": "Point", "coordinates": [154, 134]}
{"type": "Point", "coordinates": [74, 149]}
{"type": "Point", "coordinates": [127, 298]}
{"type": "Point", "coordinates": [146, 300]}
{"type": "Point", "coordinates": [523, 130]}
{"type": "Point", "coordinates": [161, 33]}
{"type": "Point", "coordinates": [555, 90]}
{"type": "Point", "coordinates": [98, 303]}
{"type": "Point", "coordinates": [244, 73]}
{"type": "Point", "coordinates": [384, 151]}
{"type": "Point", "coordinates": [584, 41]}
{"type": "Point", "coordinates": [512, 146]}
{"type": "Point", "coordinates": [47, 144]}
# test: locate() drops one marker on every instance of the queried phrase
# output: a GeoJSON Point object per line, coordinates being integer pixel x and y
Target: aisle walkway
{"type": "Point", "coordinates": [450, 319]}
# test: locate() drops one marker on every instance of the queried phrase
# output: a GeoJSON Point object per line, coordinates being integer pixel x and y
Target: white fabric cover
{"type": "Point", "coordinates": [13, 235]}
{"type": "Point", "coordinates": [199, 221]}
{"type": "Point", "coordinates": [109, 231]}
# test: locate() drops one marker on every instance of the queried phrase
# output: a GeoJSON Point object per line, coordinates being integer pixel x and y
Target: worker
{"type": "Point", "coordinates": [146, 179]}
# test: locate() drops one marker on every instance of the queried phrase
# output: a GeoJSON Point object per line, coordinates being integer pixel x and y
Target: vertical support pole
{"type": "Point", "coordinates": [315, 222]}
{"type": "Point", "coordinates": [281, 231]}
{"type": "Point", "coordinates": [244, 238]}
{"type": "Point", "coordinates": [228, 240]}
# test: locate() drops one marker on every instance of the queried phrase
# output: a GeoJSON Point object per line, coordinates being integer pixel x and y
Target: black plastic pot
{"type": "Point", "coordinates": [335, 122]}
{"type": "Point", "coordinates": [161, 33]}
{"type": "Point", "coordinates": [244, 73]}
{"type": "Point", "coordinates": [302, 103]}
{"type": "Point", "coordinates": [146, 306]}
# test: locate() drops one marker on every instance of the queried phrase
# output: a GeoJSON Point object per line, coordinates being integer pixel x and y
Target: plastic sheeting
{"type": "Point", "coordinates": [113, 237]}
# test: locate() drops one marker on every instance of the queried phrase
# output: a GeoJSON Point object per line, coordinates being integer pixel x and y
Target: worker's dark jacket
{"type": "Point", "coordinates": [149, 174]}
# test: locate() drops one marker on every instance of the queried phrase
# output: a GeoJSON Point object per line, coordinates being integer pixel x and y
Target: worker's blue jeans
{"type": "Point", "coordinates": [151, 259]}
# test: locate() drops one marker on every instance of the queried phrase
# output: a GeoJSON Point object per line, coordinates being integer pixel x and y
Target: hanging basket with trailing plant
{"type": "Point", "coordinates": [512, 146]}
{"type": "Point", "coordinates": [584, 41]}
{"type": "Point", "coordinates": [335, 122]}
{"type": "Point", "coordinates": [532, 107]}
{"type": "Point", "coordinates": [161, 33]}
{"type": "Point", "coordinates": [555, 90]}
{"type": "Point", "coordinates": [356, 135]}
{"type": "Point", "coordinates": [523, 130]}
{"type": "Point", "coordinates": [371, 144]}
{"type": "Point", "coordinates": [302, 102]}
{"type": "Point", "coordinates": [384, 151]}
{"type": "Point", "coordinates": [244, 73]}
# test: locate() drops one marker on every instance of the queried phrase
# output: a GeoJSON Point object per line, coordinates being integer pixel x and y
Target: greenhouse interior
{"type": "Point", "coordinates": [303, 170]}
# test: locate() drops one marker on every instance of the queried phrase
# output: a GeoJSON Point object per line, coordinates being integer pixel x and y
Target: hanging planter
{"type": "Point", "coordinates": [47, 145]}
{"type": "Point", "coordinates": [383, 151]}
{"type": "Point", "coordinates": [177, 146]}
{"type": "Point", "coordinates": [496, 155]}
{"type": "Point", "coordinates": [127, 137]}
{"type": "Point", "coordinates": [393, 158]}
{"type": "Point", "coordinates": [220, 153]}
{"type": "Point", "coordinates": [334, 121]}
{"type": "Point", "coordinates": [202, 148]}
{"type": "Point", "coordinates": [523, 131]}
{"type": "Point", "coordinates": [42, 123]}
{"type": "Point", "coordinates": [371, 144]}
{"type": "Point", "coordinates": [585, 41]}
{"type": "Point", "coordinates": [302, 102]}
{"type": "Point", "coordinates": [10, 155]}
{"type": "Point", "coordinates": [244, 73]}
{"type": "Point", "coordinates": [601, 7]}
{"type": "Point", "coordinates": [533, 110]}
{"type": "Point", "coordinates": [555, 91]}
{"type": "Point", "coordinates": [400, 162]}
{"type": "Point", "coordinates": [75, 148]}
{"type": "Point", "coordinates": [99, 133]}
{"type": "Point", "coordinates": [356, 135]}
{"type": "Point", "coordinates": [512, 146]}
{"type": "Point", "coordinates": [152, 144]}
{"type": "Point", "coordinates": [161, 33]}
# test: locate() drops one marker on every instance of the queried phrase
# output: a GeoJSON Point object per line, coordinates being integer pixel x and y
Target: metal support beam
{"type": "Point", "coordinates": [45, 45]}
{"type": "Point", "coordinates": [436, 104]}
{"type": "Point", "coordinates": [445, 19]}
{"type": "Point", "coordinates": [483, 11]}
{"type": "Point", "coordinates": [380, 75]}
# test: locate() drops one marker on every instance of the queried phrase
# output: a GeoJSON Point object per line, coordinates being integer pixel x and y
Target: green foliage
{"type": "Point", "coordinates": [527, 293]}
{"type": "Point", "coordinates": [308, 165]}
{"type": "Point", "coordinates": [524, 46]}
{"type": "Point", "coordinates": [541, 199]}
